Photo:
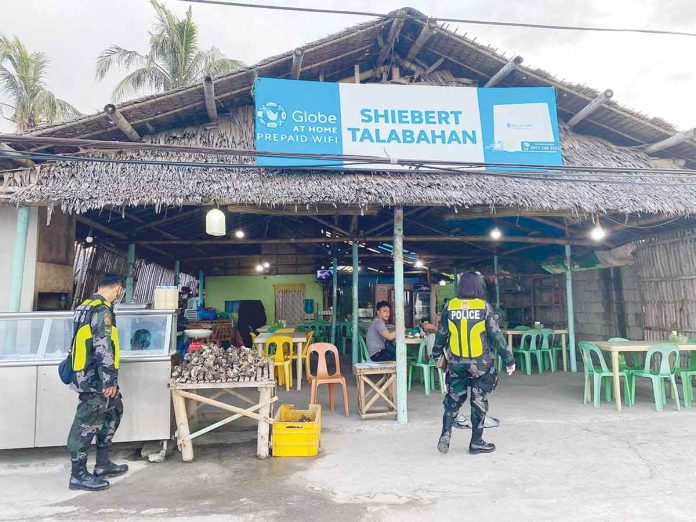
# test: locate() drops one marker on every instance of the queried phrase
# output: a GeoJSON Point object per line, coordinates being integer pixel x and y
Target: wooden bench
{"type": "Point", "coordinates": [376, 389]}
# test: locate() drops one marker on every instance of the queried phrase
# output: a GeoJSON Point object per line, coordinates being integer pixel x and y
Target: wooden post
{"type": "Point", "coordinates": [356, 70]}
{"type": "Point", "coordinates": [130, 283]}
{"type": "Point", "coordinates": [569, 307]}
{"type": "Point", "coordinates": [296, 69]}
{"type": "Point", "coordinates": [356, 276]}
{"type": "Point", "coordinates": [14, 297]}
{"type": "Point", "coordinates": [177, 272]}
{"type": "Point", "coordinates": [121, 122]}
{"type": "Point", "coordinates": [591, 107]}
{"type": "Point", "coordinates": [201, 288]}
{"type": "Point", "coordinates": [506, 69]}
{"type": "Point", "coordinates": [497, 284]}
{"type": "Point", "coordinates": [401, 389]}
{"type": "Point", "coordinates": [209, 93]}
{"type": "Point", "coordinates": [334, 299]}
{"type": "Point", "coordinates": [263, 430]}
{"type": "Point", "coordinates": [182, 427]}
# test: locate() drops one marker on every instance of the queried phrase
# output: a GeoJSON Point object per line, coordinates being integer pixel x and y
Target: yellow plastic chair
{"type": "Point", "coordinates": [282, 358]}
{"type": "Point", "coordinates": [303, 355]}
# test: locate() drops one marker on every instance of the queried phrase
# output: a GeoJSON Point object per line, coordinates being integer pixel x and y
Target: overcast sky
{"type": "Point", "coordinates": [653, 74]}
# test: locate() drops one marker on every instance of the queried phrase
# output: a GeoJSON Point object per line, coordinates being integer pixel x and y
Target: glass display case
{"type": "Point", "coordinates": [36, 408]}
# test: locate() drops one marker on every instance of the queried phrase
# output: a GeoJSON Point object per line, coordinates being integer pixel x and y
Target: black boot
{"type": "Point", "coordinates": [446, 435]}
{"type": "Point", "coordinates": [106, 468]}
{"type": "Point", "coordinates": [80, 478]}
{"type": "Point", "coordinates": [478, 445]}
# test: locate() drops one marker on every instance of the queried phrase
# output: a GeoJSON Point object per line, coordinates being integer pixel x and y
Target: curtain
{"type": "Point", "coordinates": [289, 303]}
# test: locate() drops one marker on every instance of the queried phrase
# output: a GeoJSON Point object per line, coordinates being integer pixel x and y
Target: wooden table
{"type": "Point", "coordinates": [298, 340]}
{"type": "Point", "coordinates": [564, 342]}
{"type": "Point", "coordinates": [631, 346]}
{"type": "Point", "coordinates": [259, 411]}
{"type": "Point", "coordinates": [383, 388]}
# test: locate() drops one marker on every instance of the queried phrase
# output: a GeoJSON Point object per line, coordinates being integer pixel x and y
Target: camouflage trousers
{"type": "Point", "coordinates": [96, 416]}
{"type": "Point", "coordinates": [459, 378]}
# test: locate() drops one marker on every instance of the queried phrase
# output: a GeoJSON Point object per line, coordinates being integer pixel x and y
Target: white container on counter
{"type": "Point", "coordinates": [166, 298]}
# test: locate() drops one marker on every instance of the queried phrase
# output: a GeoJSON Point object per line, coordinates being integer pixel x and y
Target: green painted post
{"type": "Point", "coordinates": [497, 285]}
{"type": "Point", "coordinates": [569, 306]}
{"type": "Point", "coordinates": [177, 271]}
{"type": "Point", "coordinates": [401, 390]}
{"type": "Point", "coordinates": [131, 273]}
{"type": "Point", "coordinates": [201, 287]}
{"type": "Point", "coordinates": [356, 276]}
{"type": "Point", "coordinates": [334, 299]}
{"type": "Point", "coordinates": [14, 297]}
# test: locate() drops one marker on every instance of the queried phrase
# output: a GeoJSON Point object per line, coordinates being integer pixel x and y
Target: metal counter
{"type": "Point", "coordinates": [36, 408]}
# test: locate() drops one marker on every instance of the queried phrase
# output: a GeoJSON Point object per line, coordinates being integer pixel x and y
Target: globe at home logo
{"type": "Point", "coordinates": [271, 115]}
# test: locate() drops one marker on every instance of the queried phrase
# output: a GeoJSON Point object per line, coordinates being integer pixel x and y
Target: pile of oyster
{"type": "Point", "coordinates": [215, 364]}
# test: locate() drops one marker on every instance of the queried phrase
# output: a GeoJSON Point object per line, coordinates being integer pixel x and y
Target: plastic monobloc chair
{"type": "Point", "coordinates": [666, 371]}
{"type": "Point", "coordinates": [323, 376]}
{"type": "Point", "coordinates": [282, 358]}
{"type": "Point", "coordinates": [599, 374]}
{"type": "Point", "coordinates": [529, 344]}
{"type": "Point", "coordinates": [364, 352]}
{"type": "Point", "coordinates": [426, 367]}
{"type": "Point", "coordinates": [547, 335]}
{"type": "Point", "coordinates": [687, 374]}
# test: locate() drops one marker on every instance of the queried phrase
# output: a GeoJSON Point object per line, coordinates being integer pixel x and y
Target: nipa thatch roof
{"type": "Point", "coordinates": [80, 187]}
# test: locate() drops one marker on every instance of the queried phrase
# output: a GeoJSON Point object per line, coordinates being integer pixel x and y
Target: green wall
{"type": "Point", "coordinates": [237, 288]}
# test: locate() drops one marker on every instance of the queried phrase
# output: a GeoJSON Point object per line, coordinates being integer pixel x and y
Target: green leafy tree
{"type": "Point", "coordinates": [22, 75]}
{"type": "Point", "coordinates": [174, 59]}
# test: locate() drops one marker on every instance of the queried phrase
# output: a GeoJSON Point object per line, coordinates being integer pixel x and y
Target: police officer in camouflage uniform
{"type": "Point", "coordinates": [469, 337]}
{"type": "Point", "coordinates": [94, 355]}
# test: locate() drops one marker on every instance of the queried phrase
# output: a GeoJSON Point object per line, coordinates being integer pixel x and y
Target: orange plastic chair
{"type": "Point", "coordinates": [323, 377]}
{"type": "Point", "coordinates": [282, 358]}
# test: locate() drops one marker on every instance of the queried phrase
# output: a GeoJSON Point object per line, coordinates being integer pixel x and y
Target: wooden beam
{"type": "Point", "coordinates": [487, 213]}
{"type": "Point", "coordinates": [12, 152]}
{"type": "Point", "coordinates": [505, 70]}
{"type": "Point", "coordinates": [437, 63]}
{"type": "Point", "coordinates": [209, 93]}
{"type": "Point", "coordinates": [173, 217]}
{"type": "Point", "coordinates": [302, 210]}
{"type": "Point", "coordinates": [426, 32]}
{"type": "Point", "coordinates": [640, 222]}
{"type": "Point", "coordinates": [389, 223]}
{"type": "Point", "coordinates": [671, 141]}
{"type": "Point", "coordinates": [394, 30]}
{"type": "Point", "coordinates": [548, 222]}
{"type": "Point", "coordinates": [591, 107]}
{"type": "Point", "coordinates": [329, 225]}
{"type": "Point", "coordinates": [121, 122]}
{"type": "Point", "coordinates": [296, 69]}
{"type": "Point", "coordinates": [106, 230]}
{"type": "Point", "coordinates": [353, 225]}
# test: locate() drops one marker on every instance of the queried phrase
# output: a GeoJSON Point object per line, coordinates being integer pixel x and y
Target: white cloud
{"type": "Point", "coordinates": [646, 72]}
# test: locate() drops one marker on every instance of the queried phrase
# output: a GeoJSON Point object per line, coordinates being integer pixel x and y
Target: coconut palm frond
{"type": "Point", "coordinates": [144, 79]}
{"type": "Point", "coordinates": [116, 56]}
{"type": "Point", "coordinates": [213, 62]}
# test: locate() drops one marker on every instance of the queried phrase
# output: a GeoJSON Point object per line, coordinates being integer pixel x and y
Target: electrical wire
{"type": "Point", "coordinates": [442, 19]}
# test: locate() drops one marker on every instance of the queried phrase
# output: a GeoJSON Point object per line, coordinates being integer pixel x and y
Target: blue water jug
{"type": "Point", "coordinates": [309, 306]}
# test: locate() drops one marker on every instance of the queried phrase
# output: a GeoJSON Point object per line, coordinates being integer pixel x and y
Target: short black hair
{"type": "Point", "coordinates": [471, 286]}
{"type": "Point", "coordinates": [382, 304]}
{"type": "Point", "coordinates": [110, 279]}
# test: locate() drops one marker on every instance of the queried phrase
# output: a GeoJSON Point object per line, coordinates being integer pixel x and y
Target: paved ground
{"type": "Point", "coordinates": [556, 460]}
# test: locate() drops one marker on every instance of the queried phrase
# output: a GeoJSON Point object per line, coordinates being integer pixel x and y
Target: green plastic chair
{"type": "Point", "coordinates": [529, 344]}
{"type": "Point", "coordinates": [364, 352]}
{"type": "Point", "coordinates": [426, 367]}
{"type": "Point", "coordinates": [547, 335]}
{"type": "Point", "coordinates": [686, 375]}
{"type": "Point", "coordinates": [667, 371]}
{"type": "Point", "coordinates": [346, 337]}
{"type": "Point", "coordinates": [599, 374]}
{"type": "Point", "coordinates": [623, 364]}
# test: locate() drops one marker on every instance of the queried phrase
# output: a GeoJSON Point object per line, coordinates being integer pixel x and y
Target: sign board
{"type": "Point", "coordinates": [511, 125]}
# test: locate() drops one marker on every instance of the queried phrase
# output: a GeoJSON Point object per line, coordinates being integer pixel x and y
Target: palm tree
{"type": "Point", "coordinates": [22, 76]}
{"type": "Point", "coordinates": [174, 59]}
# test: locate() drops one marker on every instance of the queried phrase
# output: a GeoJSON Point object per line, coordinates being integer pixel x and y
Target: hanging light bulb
{"type": "Point", "coordinates": [266, 264]}
{"type": "Point", "coordinates": [496, 234]}
{"type": "Point", "coordinates": [90, 238]}
{"type": "Point", "coordinates": [215, 222]}
{"type": "Point", "coordinates": [259, 268]}
{"type": "Point", "coordinates": [239, 234]}
{"type": "Point", "coordinates": [598, 233]}
{"type": "Point", "coordinates": [418, 264]}
{"type": "Point", "coordinates": [443, 282]}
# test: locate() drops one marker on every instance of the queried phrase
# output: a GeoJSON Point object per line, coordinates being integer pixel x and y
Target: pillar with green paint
{"type": "Point", "coordinates": [399, 317]}
{"type": "Point", "coordinates": [131, 273]}
{"type": "Point", "coordinates": [569, 307]}
{"type": "Point", "coordinates": [356, 276]}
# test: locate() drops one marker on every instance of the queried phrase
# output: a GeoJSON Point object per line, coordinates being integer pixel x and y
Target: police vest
{"type": "Point", "coordinates": [82, 345]}
{"type": "Point", "coordinates": [467, 323]}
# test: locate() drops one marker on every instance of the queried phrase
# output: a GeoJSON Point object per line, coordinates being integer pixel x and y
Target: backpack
{"type": "Point", "coordinates": [65, 370]}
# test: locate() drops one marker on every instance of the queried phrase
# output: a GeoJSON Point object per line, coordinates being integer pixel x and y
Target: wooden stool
{"type": "Point", "coordinates": [381, 379]}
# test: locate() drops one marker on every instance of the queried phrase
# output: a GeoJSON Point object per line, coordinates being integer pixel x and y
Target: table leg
{"type": "Point", "coordinates": [510, 342]}
{"type": "Point", "coordinates": [182, 427]}
{"type": "Point", "coordinates": [617, 382]}
{"type": "Point", "coordinates": [259, 348]}
{"type": "Point", "coordinates": [564, 346]}
{"type": "Point", "coordinates": [299, 362]}
{"type": "Point", "coordinates": [264, 428]}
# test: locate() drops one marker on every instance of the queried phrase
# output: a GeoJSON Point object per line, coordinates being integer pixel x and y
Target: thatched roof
{"type": "Point", "coordinates": [611, 136]}
{"type": "Point", "coordinates": [80, 187]}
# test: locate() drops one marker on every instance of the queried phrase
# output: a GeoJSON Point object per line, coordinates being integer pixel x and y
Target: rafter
{"type": "Point", "coordinates": [591, 107]}
{"type": "Point", "coordinates": [121, 122]}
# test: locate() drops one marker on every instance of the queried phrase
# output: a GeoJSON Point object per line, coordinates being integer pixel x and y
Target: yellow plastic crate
{"type": "Point", "coordinates": [292, 438]}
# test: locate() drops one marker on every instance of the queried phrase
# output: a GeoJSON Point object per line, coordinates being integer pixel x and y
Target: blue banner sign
{"type": "Point", "coordinates": [510, 125]}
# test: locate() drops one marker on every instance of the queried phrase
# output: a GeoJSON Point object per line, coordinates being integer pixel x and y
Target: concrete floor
{"type": "Point", "coordinates": [557, 460]}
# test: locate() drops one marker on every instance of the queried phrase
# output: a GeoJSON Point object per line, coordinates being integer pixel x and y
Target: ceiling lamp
{"type": "Point", "coordinates": [598, 233]}
{"type": "Point", "coordinates": [239, 234]}
{"type": "Point", "coordinates": [418, 264]}
{"type": "Point", "coordinates": [496, 234]}
{"type": "Point", "coordinates": [259, 268]}
{"type": "Point", "coordinates": [215, 222]}
{"type": "Point", "coordinates": [90, 238]}
{"type": "Point", "coordinates": [266, 264]}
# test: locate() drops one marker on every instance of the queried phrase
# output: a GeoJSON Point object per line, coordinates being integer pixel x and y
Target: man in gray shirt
{"type": "Point", "coordinates": [379, 338]}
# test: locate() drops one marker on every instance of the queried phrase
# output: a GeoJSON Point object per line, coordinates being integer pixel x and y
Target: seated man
{"type": "Point", "coordinates": [379, 338]}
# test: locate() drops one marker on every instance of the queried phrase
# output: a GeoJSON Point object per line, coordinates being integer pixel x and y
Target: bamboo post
{"type": "Point", "coordinates": [356, 275]}
{"type": "Point", "coordinates": [14, 297]}
{"type": "Point", "coordinates": [182, 427]}
{"type": "Point", "coordinates": [497, 284]}
{"type": "Point", "coordinates": [201, 287]}
{"type": "Point", "coordinates": [569, 306]}
{"type": "Point", "coordinates": [334, 298]}
{"type": "Point", "coordinates": [263, 430]}
{"type": "Point", "coordinates": [131, 273]}
{"type": "Point", "coordinates": [401, 390]}
{"type": "Point", "coordinates": [177, 271]}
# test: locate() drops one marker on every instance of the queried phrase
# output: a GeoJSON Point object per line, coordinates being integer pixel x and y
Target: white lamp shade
{"type": "Point", "coordinates": [215, 222]}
